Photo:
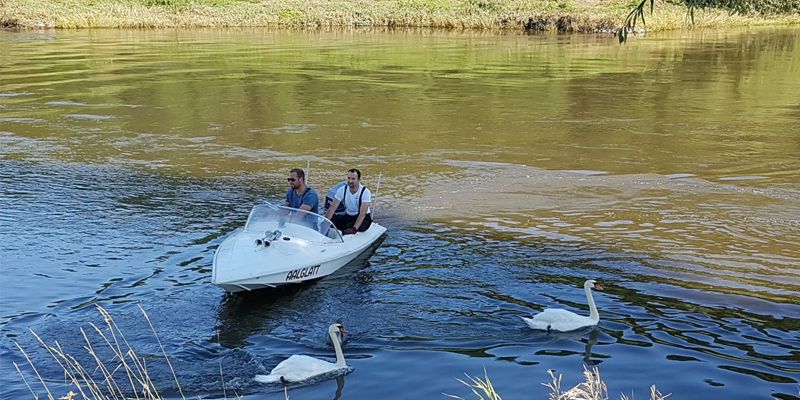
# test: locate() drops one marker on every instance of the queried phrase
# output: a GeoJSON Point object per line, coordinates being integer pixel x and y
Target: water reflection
{"type": "Point", "coordinates": [557, 342]}
{"type": "Point", "coordinates": [339, 387]}
{"type": "Point", "coordinates": [243, 315]}
{"type": "Point", "coordinates": [472, 101]}
{"type": "Point", "coordinates": [289, 390]}
{"type": "Point", "coordinates": [587, 354]}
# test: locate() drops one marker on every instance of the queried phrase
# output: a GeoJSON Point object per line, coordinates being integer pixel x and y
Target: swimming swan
{"type": "Point", "coordinates": [299, 368]}
{"type": "Point", "coordinates": [563, 320]}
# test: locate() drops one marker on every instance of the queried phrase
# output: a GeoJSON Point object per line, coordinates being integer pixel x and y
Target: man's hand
{"type": "Point", "coordinates": [350, 231]}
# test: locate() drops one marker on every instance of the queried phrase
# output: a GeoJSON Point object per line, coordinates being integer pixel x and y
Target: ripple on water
{"type": "Point", "coordinates": [680, 176]}
{"type": "Point", "coordinates": [15, 94]}
{"type": "Point", "coordinates": [293, 128]}
{"type": "Point", "coordinates": [742, 178]}
{"type": "Point", "coordinates": [64, 103]}
{"type": "Point", "coordinates": [21, 120]}
{"type": "Point", "coordinates": [584, 172]}
{"type": "Point", "coordinates": [90, 117]}
{"type": "Point", "coordinates": [452, 287]}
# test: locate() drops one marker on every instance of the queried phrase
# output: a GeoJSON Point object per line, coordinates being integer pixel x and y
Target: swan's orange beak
{"type": "Point", "coordinates": [597, 286]}
{"type": "Point", "coordinates": [342, 329]}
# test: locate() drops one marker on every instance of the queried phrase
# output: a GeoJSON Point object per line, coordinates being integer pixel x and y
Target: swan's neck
{"type": "Point", "coordinates": [337, 347]}
{"type": "Point", "coordinates": [593, 314]}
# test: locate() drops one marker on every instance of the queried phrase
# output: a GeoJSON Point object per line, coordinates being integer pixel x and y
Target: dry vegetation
{"type": "Point", "coordinates": [125, 374]}
{"type": "Point", "coordinates": [592, 388]}
{"type": "Point", "coordinates": [532, 15]}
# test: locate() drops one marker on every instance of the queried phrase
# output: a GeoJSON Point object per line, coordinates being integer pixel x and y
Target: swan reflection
{"type": "Point", "coordinates": [553, 337]}
{"type": "Point", "coordinates": [587, 353]}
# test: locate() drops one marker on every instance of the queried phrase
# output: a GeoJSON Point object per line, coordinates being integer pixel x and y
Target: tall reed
{"type": "Point", "coordinates": [124, 376]}
{"type": "Point", "coordinates": [592, 388]}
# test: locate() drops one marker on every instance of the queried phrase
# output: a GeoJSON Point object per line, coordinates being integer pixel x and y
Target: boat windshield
{"type": "Point", "coordinates": [268, 218]}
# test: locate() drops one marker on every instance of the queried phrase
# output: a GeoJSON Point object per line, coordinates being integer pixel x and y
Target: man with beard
{"type": "Point", "coordinates": [357, 199]}
{"type": "Point", "coordinates": [299, 195]}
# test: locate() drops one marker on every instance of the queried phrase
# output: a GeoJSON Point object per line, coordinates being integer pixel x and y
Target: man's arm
{"type": "Point", "coordinates": [362, 213]}
{"type": "Point", "coordinates": [310, 200]}
{"type": "Point", "coordinates": [332, 208]}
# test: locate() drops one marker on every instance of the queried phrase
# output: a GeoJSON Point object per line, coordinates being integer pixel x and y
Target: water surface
{"type": "Point", "coordinates": [512, 168]}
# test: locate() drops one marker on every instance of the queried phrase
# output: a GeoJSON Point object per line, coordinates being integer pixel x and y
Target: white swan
{"type": "Point", "coordinates": [300, 368]}
{"type": "Point", "coordinates": [563, 320]}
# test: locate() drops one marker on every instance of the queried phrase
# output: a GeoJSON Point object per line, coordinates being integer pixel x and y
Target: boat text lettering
{"type": "Point", "coordinates": [302, 273]}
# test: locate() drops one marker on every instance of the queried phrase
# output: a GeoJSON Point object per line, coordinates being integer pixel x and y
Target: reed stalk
{"type": "Point", "coordinates": [102, 382]}
{"type": "Point", "coordinates": [592, 388]}
{"type": "Point", "coordinates": [137, 376]}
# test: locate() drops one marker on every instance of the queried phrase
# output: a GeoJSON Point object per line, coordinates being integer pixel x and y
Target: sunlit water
{"type": "Point", "coordinates": [512, 168]}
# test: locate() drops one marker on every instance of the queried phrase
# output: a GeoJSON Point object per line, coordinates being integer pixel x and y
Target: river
{"type": "Point", "coordinates": [512, 167]}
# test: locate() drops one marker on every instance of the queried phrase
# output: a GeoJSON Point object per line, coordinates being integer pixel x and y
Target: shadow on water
{"type": "Point", "coordinates": [359, 262]}
{"type": "Point", "coordinates": [245, 319]}
{"type": "Point", "coordinates": [243, 314]}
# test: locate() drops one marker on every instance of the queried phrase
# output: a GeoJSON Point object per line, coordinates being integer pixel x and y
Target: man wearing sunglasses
{"type": "Point", "coordinates": [299, 195]}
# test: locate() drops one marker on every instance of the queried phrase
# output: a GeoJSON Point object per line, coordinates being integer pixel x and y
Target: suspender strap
{"type": "Point", "coordinates": [346, 189]}
{"type": "Point", "coordinates": [302, 196]}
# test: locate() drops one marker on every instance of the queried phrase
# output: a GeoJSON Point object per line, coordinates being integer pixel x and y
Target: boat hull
{"type": "Point", "coordinates": [281, 264]}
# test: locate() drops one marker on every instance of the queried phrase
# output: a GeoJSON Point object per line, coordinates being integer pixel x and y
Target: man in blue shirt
{"type": "Point", "coordinates": [299, 195]}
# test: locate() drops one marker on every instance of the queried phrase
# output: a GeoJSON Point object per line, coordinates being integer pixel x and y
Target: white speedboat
{"type": "Point", "coordinates": [281, 245]}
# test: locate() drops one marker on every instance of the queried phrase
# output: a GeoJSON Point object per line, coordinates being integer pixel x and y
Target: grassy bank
{"type": "Point", "coordinates": [534, 15]}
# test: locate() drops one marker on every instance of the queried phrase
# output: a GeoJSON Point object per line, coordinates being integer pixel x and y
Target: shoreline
{"type": "Point", "coordinates": [567, 16]}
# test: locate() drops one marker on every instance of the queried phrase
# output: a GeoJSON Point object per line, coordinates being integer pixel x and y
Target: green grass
{"type": "Point", "coordinates": [540, 15]}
